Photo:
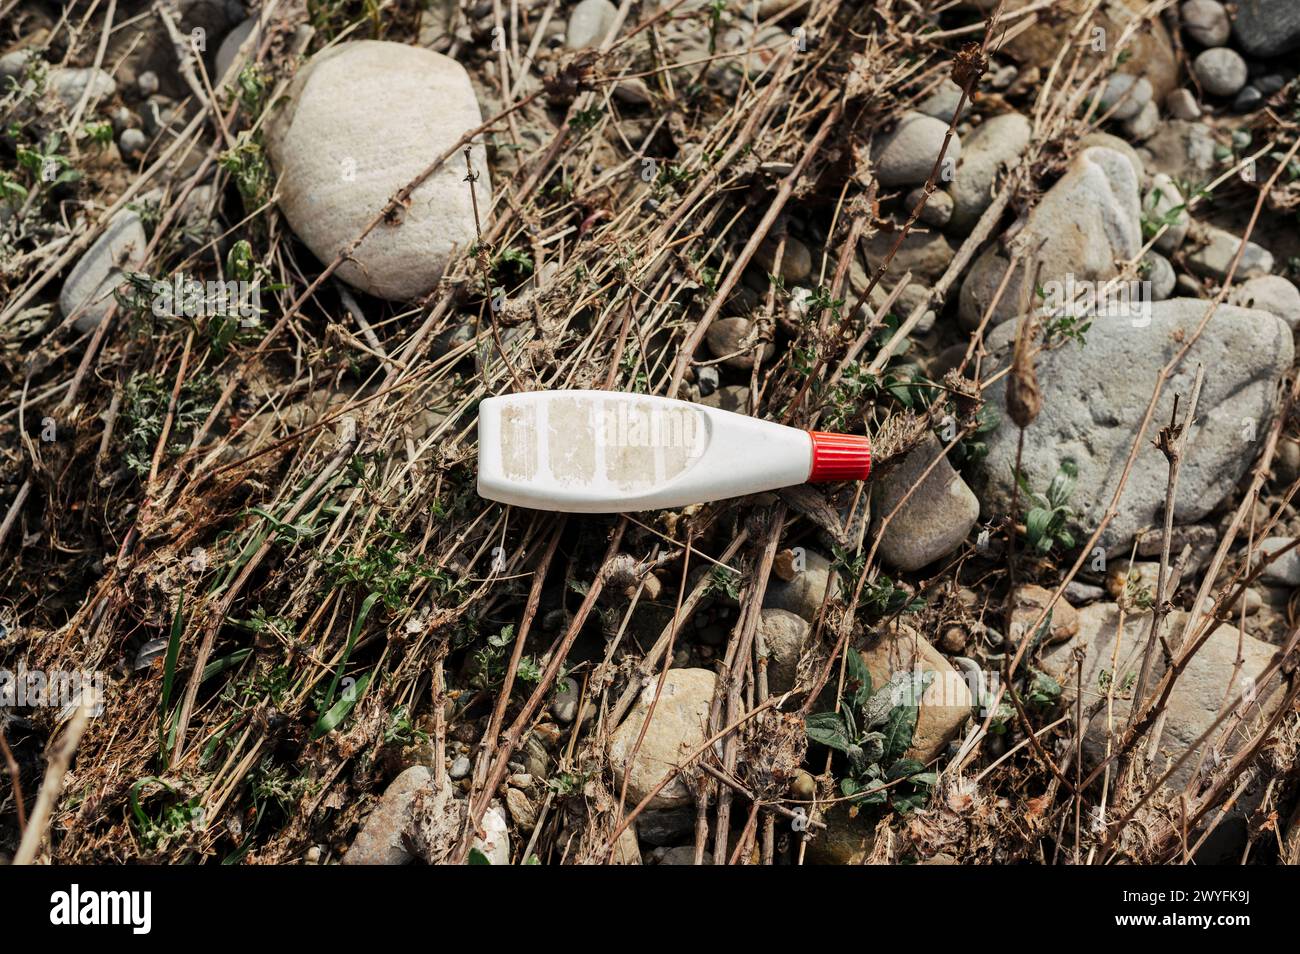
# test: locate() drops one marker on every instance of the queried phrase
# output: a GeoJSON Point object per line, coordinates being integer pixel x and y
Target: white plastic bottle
{"type": "Point", "coordinates": [610, 452]}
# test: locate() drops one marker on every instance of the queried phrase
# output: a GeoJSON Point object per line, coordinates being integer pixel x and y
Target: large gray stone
{"type": "Point", "coordinates": [989, 150]}
{"type": "Point", "coordinates": [1084, 226]}
{"type": "Point", "coordinates": [380, 840]}
{"type": "Point", "coordinates": [906, 155]}
{"type": "Point", "coordinates": [588, 23]}
{"type": "Point", "coordinates": [88, 290]}
{"type": "Point", "coordinates": [1184, 151]}
{"type": "Point", "coordinates": [1271, 293]}
{"type": "Point", "coordinates": [785, 635]}
{"type": "Point", "coordinates": [1094, 398]}
{"type": "Point", "coordinates": [803, 595]}
{"type": "Point", "coordinates": [1267, 27]}
{"type": "Point", "coordinates": [1215, 249]}
{"type": "Point", "coordinates": [362, 120]}
{"type": "Point", "coordinates": [1210, 680]}
{"type": "Point", "coordinates": [936, 517]}
{"type": "Point", "coordinates": [678, 727]}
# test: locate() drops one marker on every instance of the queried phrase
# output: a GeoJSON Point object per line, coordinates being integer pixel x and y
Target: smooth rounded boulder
{"type": "Point", "coordinates": [363, 120]}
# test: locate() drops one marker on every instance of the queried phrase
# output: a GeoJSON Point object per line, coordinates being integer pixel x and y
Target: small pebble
{"type": "Point", "coordinates": [1161, 276]}
{"type": "Point", "coordinates": [937, 211]}
{"type": "Point", "coordinates": [1182, 104]}
{"type": "Point", "coordinates": [132, 142]}
{"type": "Point", "coordinates": [1222, 71]}
{"type": "Point", "coordinates": [1004, 77]}
{"type": "Point", "coordinates": [803, 786]}
{"type": "Point", "coordinates": [459, 768]}
{"type": "Point", "coordinates": [1248, 100]}
{"type": "Point", "coordinates": [1206, 22]}
{"type": "Point", "coordinates": [564, 707]}
{"type": "Point", "coordinates": [1126, 94]}
{"type": "Point", "coordinates": [1145, 123]}
{"type": "Point", "coordinates": [1270, 83]}
{"type": "Point", "coordinates": [707, 379]}
{"type": "Point", "coordinates": [147, 83]}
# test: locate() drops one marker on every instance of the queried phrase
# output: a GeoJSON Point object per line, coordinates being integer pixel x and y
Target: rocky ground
{"type": "Point", "coordinates": [258, 267]}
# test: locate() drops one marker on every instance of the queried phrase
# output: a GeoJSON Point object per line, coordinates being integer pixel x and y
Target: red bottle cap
{"type": "Point", "coordinates": [839, 457]}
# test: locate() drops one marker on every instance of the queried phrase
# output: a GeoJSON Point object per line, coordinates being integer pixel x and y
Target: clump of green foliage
{"type": "Point", "coordinates": [873, 730]}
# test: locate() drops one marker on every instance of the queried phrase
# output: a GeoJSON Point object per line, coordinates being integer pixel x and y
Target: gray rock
{"type": "Point", "coordinates": [88, 290]}
{"type": "Point", "coordinates": [460, 768]}
{"type": "Point", "coordinates": [1221, 71]}
{"type": "Point", "coordinates": [1215, 251]}
{"type": "Point", "coordinates": [1248, 100]}
{"type": "Point", "coordinates": [1182, 104]}
{"type": "Point", "coordinates": [1271, 293]}
{"type": "Point", "coordinates": [1126, 95]}
{"type": "Point", "coordinates": [1184, 151]}
{"type": "Point", "coordinates": [906, 155]}
{"type": "Point", "coordinates": [1094, 397]}
{"type": "Point", "coordinates": [990, 149]}
{"type": "Point", "coordinates": [1201, 690]}
{"type": "Point", "coordinates": [707, 379]}
{"type": "Point", "coordinates": [1270, 83]}
{"type": "Point", "coordinates": [132, 142]}
{"type": "Point", "coordinates": [361, 121]}
{"type": "Point", "coordinates": [1144, 124]}
{"type": "Point", "coordinates": [1003, 76]}
{"type": "Point", "coordinates": [147, 83]}
{"type": "Point", "coordinates": [803, 595]}
{"type": "Point", "coordinates": [942, 103]}
{"type": "Point", "coordinates": [784, 636]}
{"type": "Point", "coordinates": [1266, 28]}
{"type": "Point", "coordinates": [1085, 223]}
{"type": "Point", "coordinates": [1107, 141]}
{"type": "Point", "coordinates": [380, 840]}
{"type": "Point", "coordinates": [937, 209]}
{"type": "Point", "coordinates": [665, 826]}
{"type": "Point", "coordinates": [796, 259]}
{"type": "Point", "coordinates": [1164, 205]}
{"type": "Point", "coordinates": [729, 397]}
{"type": "Point", "coordinates": [589, 23]}
{"type": "Point", "coordinates": [1206, 22]}
{"type": "Point", "coordinates": [1080, 594]}
{"type": "Point", "coordinates": [230, 46]}
{"type": "Point", "coordinates": [678, 727]}
{"type": "Point", "coordinates": [69, 82]}
{"type": "Point", "coordinates": [521, 809]}
{"type": "Point", "coordinates": [565, 704]}
{"type": "Point", "coordinates": [910, 298]}
{"type": "Point", "coordinates": [1160, 275]}
{"type": "Point", "coordinates": [737, 341]}
{"type": "Point", "coordinates": [1285, 570]}
{"type": "Point", "coordinates": [925, 254]}
{"type": "Point", "coordinates": [14, 64]}
{"type": "Point", "coordinates": [936, 517]}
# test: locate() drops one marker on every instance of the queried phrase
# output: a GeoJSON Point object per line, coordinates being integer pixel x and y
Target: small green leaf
{"type": "Point", "coordinates": [339, 711]}
{"type": "Point", "coordinates": [476, 857]}
{"type": "Point", "coordinates": [861, 675]}
{"type": "Point", "coordinates": [827, 728]}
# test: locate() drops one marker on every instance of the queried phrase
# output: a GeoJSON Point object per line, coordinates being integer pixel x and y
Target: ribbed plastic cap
{"type": "Point", "coordinates": [839, 457]}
